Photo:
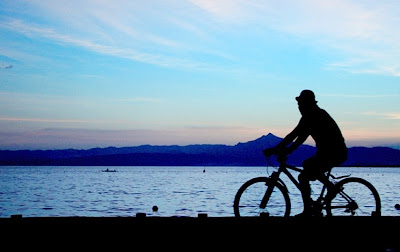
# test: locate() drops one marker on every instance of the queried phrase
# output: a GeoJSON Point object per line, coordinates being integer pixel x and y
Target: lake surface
{"type": "Point", "coordinates": [35, 191]}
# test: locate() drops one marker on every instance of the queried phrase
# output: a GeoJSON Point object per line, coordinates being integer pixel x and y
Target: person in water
{"type": "Point", "coordinates": [331, 147]}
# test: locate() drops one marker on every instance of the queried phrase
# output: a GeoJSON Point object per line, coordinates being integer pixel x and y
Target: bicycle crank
{"type": "Point", "coordinates": [351, 208]}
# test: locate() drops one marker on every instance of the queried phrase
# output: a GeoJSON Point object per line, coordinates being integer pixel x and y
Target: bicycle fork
{"type": "Point", "coordinates": [273, 180]}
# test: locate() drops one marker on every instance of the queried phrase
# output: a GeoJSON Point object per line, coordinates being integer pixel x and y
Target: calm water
{"type": "Point", "coordinates": [177, 191]}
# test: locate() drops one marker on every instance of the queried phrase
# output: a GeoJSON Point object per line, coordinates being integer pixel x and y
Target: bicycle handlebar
{"type": "Point", "coordinates": [281, 153]}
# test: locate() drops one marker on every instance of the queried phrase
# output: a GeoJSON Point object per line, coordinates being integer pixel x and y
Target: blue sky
{"type": "Point", "coordinates": [82, 74]}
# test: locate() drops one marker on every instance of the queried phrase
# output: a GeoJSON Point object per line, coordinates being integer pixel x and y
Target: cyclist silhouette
{"type": "Point", "coordinates": [331, 147]}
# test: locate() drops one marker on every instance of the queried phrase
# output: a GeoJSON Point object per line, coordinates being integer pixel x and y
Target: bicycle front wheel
{"type": "Point", "coordinates": [250, 194]}
{"type": "Point", "coordinates": [354, 197]}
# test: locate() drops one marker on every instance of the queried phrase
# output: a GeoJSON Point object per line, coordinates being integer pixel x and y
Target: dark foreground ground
{"type": "Point", "coordinates": [200, 234]}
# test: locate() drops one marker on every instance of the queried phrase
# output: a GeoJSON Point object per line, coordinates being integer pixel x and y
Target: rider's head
{"type": "Point", "coordinates": [306, 101]}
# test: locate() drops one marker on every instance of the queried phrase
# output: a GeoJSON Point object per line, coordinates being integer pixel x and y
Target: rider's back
{"type": "Point", "coordinates": [324, 130]}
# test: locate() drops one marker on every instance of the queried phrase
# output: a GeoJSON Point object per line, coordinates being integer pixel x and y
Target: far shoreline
{"type": "Point", "coordinates": [169, 165]}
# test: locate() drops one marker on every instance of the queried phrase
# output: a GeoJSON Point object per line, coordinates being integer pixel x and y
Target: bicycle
{"type": "Point", "coordinates": [340, 196]}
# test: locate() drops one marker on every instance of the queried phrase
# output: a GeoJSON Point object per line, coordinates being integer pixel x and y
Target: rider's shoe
{"type": "Point", "coordinates": [312, 211]}
{"type": "Point", "coordinates": [316, 209]}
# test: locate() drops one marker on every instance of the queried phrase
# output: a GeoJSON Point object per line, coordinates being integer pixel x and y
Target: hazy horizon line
{"type": "Point", "coordinates": [46, 146]}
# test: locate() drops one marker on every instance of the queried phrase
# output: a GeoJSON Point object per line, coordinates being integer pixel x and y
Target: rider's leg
{"type": "Point", "coordinates": [314, 168]}
{"type": "Point", "coordinates": [305, 189]}
{"type": "Point", "coordinates": [310, 172]}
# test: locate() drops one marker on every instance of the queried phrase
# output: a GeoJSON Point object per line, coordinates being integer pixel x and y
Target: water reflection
{"type": "Point", "coordinates": [177, 191]}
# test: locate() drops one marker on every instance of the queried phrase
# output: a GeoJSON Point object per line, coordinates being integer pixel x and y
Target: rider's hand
{"type": "Point", "coordinates": [286, 150]}
{"type": "Point", "coordinates": [269, 151]}
{"type": "Point", "coordinates": [277, 151]}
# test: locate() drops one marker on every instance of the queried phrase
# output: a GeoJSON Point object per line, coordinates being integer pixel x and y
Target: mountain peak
{"type": "Point", "coordinates": [269, 138]}
{"type": "Point", "coordinates": [266, 141]}
{"type": "Point", "coordinates": [270, 134]}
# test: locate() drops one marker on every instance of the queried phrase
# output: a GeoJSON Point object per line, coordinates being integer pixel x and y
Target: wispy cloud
{"type": "Point", "coordinates": [360, 96]}
{"type": "Point", "coordinates": [392, 116]}
{"type": "Point", "coordinates": [42, 120]}
{"type": "Point", "coordinates": [384, 115]}
{"type": "Point", "coordinates": [362, 33]}
{"type": "Point", "coordinates": [43, 109]}
{"type": "Point", "coordinates": [112, 50]}
{"type": "Point", "coordinates": [139, 99]}
{"type": "Point", "coordinates": [226, 10]}
{"type": "Point", "coordinates": [159, 59]}
{"type": "Point", "coordinates": [6, 66]}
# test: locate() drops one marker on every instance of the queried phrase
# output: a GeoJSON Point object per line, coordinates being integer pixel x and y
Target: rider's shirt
{"type": "Point", "coordinates": [323, 129]}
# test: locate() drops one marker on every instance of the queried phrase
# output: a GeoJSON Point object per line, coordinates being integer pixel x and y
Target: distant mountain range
{"type": "Point", "coordinates": [241, 154]}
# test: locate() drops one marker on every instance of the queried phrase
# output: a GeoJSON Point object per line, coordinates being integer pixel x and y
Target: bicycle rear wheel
{"type": "Point", "coordinates": [354, 197]}
{"type": "Point", "coordinates": [248, 199]}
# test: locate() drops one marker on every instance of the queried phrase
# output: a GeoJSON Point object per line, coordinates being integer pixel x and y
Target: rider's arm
{"type": "Point", "coordinates": [288, 139]}
{"type": "Point", "coordinates": [299, 141]}
{"type": "Point", "coordinates": [298, 135]}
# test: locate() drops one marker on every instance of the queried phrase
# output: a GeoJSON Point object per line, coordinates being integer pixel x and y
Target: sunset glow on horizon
{"type": "Point", "coordinates": [84, 74]}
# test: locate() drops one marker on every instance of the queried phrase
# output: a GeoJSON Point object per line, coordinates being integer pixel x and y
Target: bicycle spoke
{"type": "Point", "coordinates": [248, 200]}
{"type": "Point", "coordinates": [357, 197]}
{"type": "Point", "coordinates": [251, 199]}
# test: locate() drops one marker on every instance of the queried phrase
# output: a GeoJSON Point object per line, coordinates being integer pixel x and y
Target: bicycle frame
{"type": "Point", "coordinates": [290, 176]}
{"type": "Point", "coordinates": [284, 168]}
{"type": "Point", "coordinates": [333, 197]}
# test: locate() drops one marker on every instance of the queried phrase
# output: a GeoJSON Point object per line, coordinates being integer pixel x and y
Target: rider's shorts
{"type": "Point", "coordinates": [316, 166]}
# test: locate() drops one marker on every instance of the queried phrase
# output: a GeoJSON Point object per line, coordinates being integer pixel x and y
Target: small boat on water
{"type": "Point", "coordinates": [108, 170]}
